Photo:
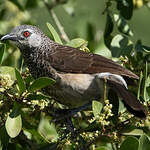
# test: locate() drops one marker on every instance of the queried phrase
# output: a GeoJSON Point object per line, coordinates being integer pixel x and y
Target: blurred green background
{"type": "Point", "coordinates": [76, 16]}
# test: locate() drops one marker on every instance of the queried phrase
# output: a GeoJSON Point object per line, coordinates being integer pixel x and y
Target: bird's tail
{"type": "Point", "coordinates": [118, 84]}
{"type": "Point", "coordinates": [130, 101]}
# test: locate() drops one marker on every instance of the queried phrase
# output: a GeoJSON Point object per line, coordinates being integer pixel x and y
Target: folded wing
{"type": "Point", "coordinates": [71, 60]}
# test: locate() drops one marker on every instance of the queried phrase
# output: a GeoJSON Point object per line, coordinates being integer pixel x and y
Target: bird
{"type": "Point", "coordinates": [79, 76]}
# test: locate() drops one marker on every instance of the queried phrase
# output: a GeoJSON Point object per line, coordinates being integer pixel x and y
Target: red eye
{"type": "Point", "coordinates": [26, 33]}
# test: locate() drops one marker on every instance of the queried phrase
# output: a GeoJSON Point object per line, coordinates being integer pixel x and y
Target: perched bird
{"type": "Point", "coordinates": [79, 75]}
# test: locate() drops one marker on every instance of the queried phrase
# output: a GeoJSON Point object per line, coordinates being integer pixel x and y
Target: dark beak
{"type": "Point", "coordinates": [10, 36]}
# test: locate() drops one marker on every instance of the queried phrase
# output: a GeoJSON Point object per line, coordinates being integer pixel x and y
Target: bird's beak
{"type": "Point", "coordinates": [10, 36]}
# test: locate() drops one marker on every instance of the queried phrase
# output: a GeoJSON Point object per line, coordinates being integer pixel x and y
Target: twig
{"type": "Point", "coordinates": [108, 4]}
{"type": "Point", "coordinates": [58, 24]}
{"type": "Point", "coordinates": [105, 89]}
{"type": "Point", "coordinates": [60, 27]}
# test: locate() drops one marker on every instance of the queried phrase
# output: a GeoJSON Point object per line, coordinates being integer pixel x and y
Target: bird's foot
{"type": "Point", "coordinates": [65, 115]}
{"type": "Point", "coordinates": [70, 128]}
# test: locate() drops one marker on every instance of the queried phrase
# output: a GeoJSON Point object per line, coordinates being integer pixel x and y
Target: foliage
{"type": "Point", "coordinates": [26, 114]}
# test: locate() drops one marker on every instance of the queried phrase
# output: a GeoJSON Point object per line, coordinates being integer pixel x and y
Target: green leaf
{"type": "Point", "coordinates": [78, 42]}
{"type": "Point", "coordinates": [139, 89]}
{"type": "Point", "coordinates": [4, 137]}
{"type": "Point", "coordinates": [109, 26]}
{"type": "Point", "coordinates": [101, 49]}
{"type": "Point", "coordinates": [40, 83]}
{"type": "Point", "coordinates": [122, 108]}
{"type": "Point", "coordinates": [13, 123]}
{"type": "Point", "coordinates": [47, 130]}
{"type": "Point", "coordinates": [69, 7]}
{"type": "Point", "coordinates": [2, 49]}
{"type": "Point", "coordinates": [18, 4]}
{"type": "Point", "coordinates": [126, 8]}
{"type": "Point", "coordinates": [20, 82]}
{"type": "Point", "coordinates": [146, 48]}
{"type": "Point", "coordinates": [37, 97]}
{"type": "Point", "coordinates": [122, 25]}
{"type": "Point", "coordinates": [144, 143]}
{"type": "Point", "coordinates": [13, 126]}
{"type": "Point", "coordinates": [54, 33]}
{"type": "Point", "coordinates": [31, 3]}
{"type": "Point", "coordinates": [29, 79]}
{"type": "Point", "coordinates": [121, 45]}
{"type": "Point", "coordinates": [130, 143]}
{"type": "Point", "coordinates": [6, 70]}
{"type": "Point", "coordinates": [108, 30]}
{"type": "Point", "coordinates": [96, 107]}
{"type": "Point", "coordinates": [139, 47]}
{"type": "Point", "coordinates": [102, 148]}
{"type": "Point", "coordinates": [134, 132]}
{"type": "Point", "coordinates": [145, 95]}
{"type": "Point", "coordinates": [1, 146]}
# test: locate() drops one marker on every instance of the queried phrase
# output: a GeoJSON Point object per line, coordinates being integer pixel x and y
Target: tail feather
{"type": "Point", "coordinates": [130, 101]}
{"type": "Point", "coordinates": [119, 85]}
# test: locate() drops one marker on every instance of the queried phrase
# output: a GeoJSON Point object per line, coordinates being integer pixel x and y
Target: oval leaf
{"type": "Point", "coordinates": [21, 84]}
{"type": "Point", "coordinates": [130, 143]}
{"type": "Point", "coordinates": [2, 48]}
{"type": "Point", "coordinates": [4, 137]}
{"type": "Point", "coordinates": [108, 30]}
{"type": "Point", "coordinates": [54, 33]}
{"type": "Point", "coordinates": [134, 132]}
{"type": "Point", "coordinates": [146, 48]}
{"type": "Point", "coordinates": [109, 26]}
{"type": "Point", "coordinates": [96, 107]}
{"type": "Point", "coordinates": [5, 70]}
{"type": "Point", "coordinates": [122, 25]}
{"type": "Point", "coordinates": [40, 83]}
{"type": "Point", "coordinates": [78, 42]}
{"type": "Point", "coordinates": [18, 4]}
{"type": "Point", "coordinates": [126, 8]}
{"type": "Point", "coordinates": [13, 126]}
{"type": "Point", "coordinates": [138, 46]}
{"type": "Point", "coordinates": [47, 130]}
{"type": "Point", "coordinates": [121, 45]}
{"type": "Point", "coordinates": [144, 143]}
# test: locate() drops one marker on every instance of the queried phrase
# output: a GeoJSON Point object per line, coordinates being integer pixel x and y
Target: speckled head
{"type": "Point", "coordinates": [25, 36]}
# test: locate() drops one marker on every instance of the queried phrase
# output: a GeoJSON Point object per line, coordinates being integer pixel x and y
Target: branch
{"type": "Point", "coordinates": [57, 22]}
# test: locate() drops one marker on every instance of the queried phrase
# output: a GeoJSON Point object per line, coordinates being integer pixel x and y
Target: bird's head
{"type": "Point", "coordinates": [25, 36]}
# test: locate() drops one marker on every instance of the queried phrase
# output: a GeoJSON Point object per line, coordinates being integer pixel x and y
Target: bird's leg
{"type": "Point", "coordinates": [63, 114]}
{"type": "Point", "coordinates": [70, 127]}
